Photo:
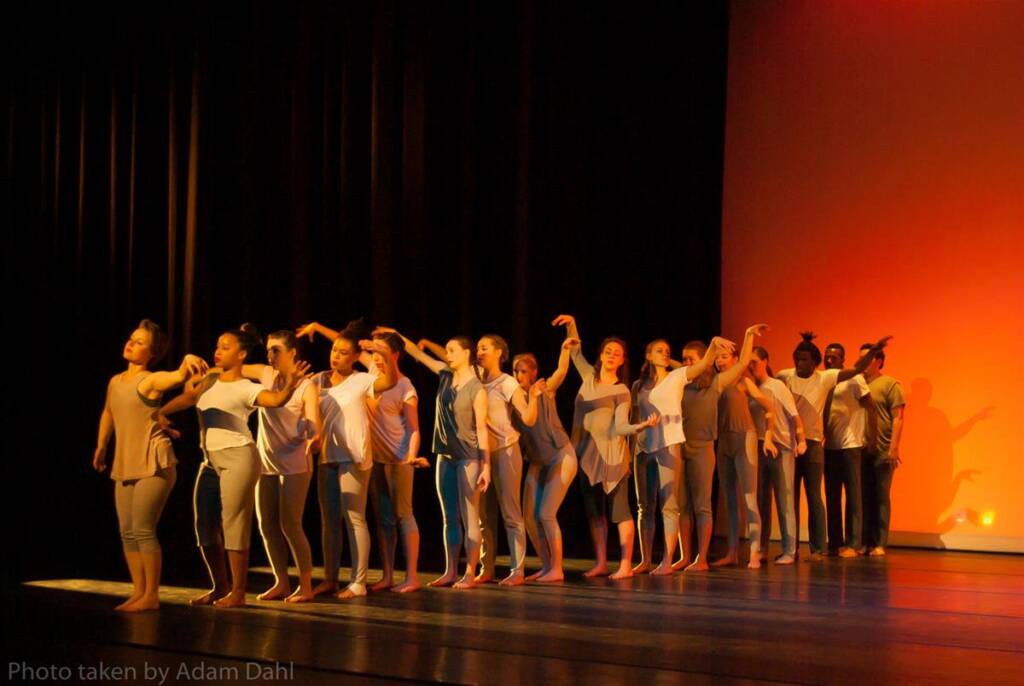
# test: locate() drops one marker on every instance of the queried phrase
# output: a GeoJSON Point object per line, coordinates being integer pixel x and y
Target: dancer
{"type": "Point", "coordinates": [810, 389]}
{"type": "Point", "coordinates": [503, 396]}
{"type": "Point", "coordinates": [700, 424]}
{"type": "Point", "coordinates": [780, 437]}
{"type": "Point", "coordinates": [845, 424]}
{"type": "Point", "coordinates": [600, 428]}
{"type": "Point", "coordinates": [882, 459]}
{"type": "Point", "coordinates": [224, 401]}
{"type": "Point", "coordinates": [736, 458]}
{"type": "Point", "coordinates": [463, 454]}
{"type": "Point", "coordinates": [659, 450]}
{"type": "Point", "coordinates": [143, 469]}
{"type": "Point", "coordinates": [553, 462]}
{"type": "Point", "coordinates": [288, 437]}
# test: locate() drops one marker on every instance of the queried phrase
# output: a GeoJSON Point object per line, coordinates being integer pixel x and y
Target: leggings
{"type": "Point", "coordinates": [239, 470]}
{"type": "Point", "coordinates": [543, 493]}
{"type": "Point", "coordinates": [280, 500]}
{"type": "Point", "coordinates": [843, 471]}
{"type": "Point", "coordinates": [737, 461]}
{"type": "Point", "coordinates": [809, 468]}
{"type": "Point", "coordinates": [776, 473]}
{"type": "Point", "coordinates": [342, 489]}
{"type": "Point", "coordinates": [507, 474]}
{"type": "Point", "coordinates": [391, 493]}
{"type": "Point", "coordinates": [460, 505]}
{"type": "Point", "coordinates": [139, 503]}
{"type": "Point", "coordinates": [657, 481]}
{"type": "Point", "coordinates": [695, 480]}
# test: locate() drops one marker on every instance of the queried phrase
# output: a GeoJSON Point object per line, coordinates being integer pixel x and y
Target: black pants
{"type": "Point", "coordinates": [810, 468]}
{"type": "Point", "coordinates": [877, 505]}
{"type": "Point", "coordinates": [843, 470]}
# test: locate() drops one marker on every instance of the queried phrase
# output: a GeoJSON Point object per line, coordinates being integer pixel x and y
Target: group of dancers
{"type": "Point", "coordinates": [718, 407]}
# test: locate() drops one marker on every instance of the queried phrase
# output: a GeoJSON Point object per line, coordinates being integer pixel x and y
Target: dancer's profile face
{"type": "Point", "coordinates": [803, 363]}
{"type": "Point", "coordinates": [659, 354]}
{"type": "Point", "coordinates": [488, 355]}
{"type": "Point", "coordinates": [758, 366]}
{"type": "Point", "coordinates": [612, 356]}
{"type": "Point", "coordinates": [278, 353]}
{"type": "Point", "coordinates": [229, 353]}
{"type": "Point", "coordinates": [139, 347]}
{"type": "Point", "coordinates": [834, 358]}
{"type": "Point", "coordinates": [525, 373]}
{"type": "Point", "coordinates": [455, 355]}
{"type": "Point", "coordinates": [343, 355]}
{"type": "Point", "coordinates": [724, 360]}
{"type": "Point", "coordinates": [691, 356]}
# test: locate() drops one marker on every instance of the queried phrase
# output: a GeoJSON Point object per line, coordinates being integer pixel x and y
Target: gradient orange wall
{"type": "Point", "coordinates": [874, 184]}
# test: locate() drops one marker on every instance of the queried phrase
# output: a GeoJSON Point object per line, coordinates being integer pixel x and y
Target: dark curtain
{"type": "Point", "coordinates": [456, 167]}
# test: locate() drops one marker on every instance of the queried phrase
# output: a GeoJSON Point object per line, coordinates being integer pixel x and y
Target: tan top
{"type": "Point", "coordinates": [141, 449]}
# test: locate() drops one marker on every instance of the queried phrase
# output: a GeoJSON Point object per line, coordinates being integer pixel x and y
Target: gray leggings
{"type": "Point", "coordinates": [239, 470]}
{"type": "Point", "coordinates": [280, 500]}
{"type": "Point", "coordinates": [507, 474]}
{"type": "Point", "coordinates": [139, 503]}
{"type": "Point", "coordinates": [460, 505]}
{"type": "Point", "coordinates": [776, 473]}
{"type": "Point", "coordinates": [342, 489]}
{"type": "Point", "coordinates": [695, 480]}
{"type": "Point", "coordinates": [543, 493]}
{"type": "Point", "coordinates": [657, 481]}
{"type": "Point", "coordinates": [737, 462]}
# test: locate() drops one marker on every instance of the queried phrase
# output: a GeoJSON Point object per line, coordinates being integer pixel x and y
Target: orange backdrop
{"type": "Point", "coordinates": [874, 184]}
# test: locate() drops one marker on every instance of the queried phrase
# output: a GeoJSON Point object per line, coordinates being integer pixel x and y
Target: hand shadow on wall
{"type": "Point", "coordinates": [928, 446]}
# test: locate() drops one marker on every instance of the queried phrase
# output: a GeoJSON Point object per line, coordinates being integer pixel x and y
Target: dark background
{"type": "Point", "coordinates": [448, 168]}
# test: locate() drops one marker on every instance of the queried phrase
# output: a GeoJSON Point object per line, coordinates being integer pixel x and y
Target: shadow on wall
{"type": "Point", "coordinates": [928, 446]}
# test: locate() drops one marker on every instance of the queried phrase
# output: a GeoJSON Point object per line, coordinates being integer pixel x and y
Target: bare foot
{"type": "Point", "coordinates": [755, 561]}
{"type": "Point", "coordinates": [142, 604]}
{"type": "Point", "coordinates": [597, 570]}
{"type": "Point", "coordinates": [278, 592]}
{"type": "Point", "coordinates": [624, 572]}
{"type": "Point", "coordinates": [300, 596]}
{"type": "Point", "coordinates": [207, 598]}
{"type": "Point", "coordinates": [727, 561]}
{"type": "Point", "coordinates": [538, 574]}
{"type": "Point", "coordinates": [785, 559]}
{"type": "Point", "coordinates": [664, 569]}
{"type": "Point", "coordinates": [233, 599]}
{"type": "Point", "coordinates": [697, 565]}
{"type": "Point", "coordinates": [815, 557]}
{"type": "Point", "coordinates": [444, 580]}
{"type": "Point", "coordinates": [877, 551]}
{"type": "Point", "coordinates": [382, 585]}
{"type": "Point", "coordinates": [325, 587]}
{"type": "Point", "coordinates": [408, 586]}
{"type": "Point", "coordinates": [513, 579]}
{"type": "Point", "coordinates": [130, 601]}
{"type": "Point", "coordinates": [466, 582]}
{"type": "Point", "coordinates": [679, 565]}
{"type": "Point", "coordinates": [351, 591]}
{"type": "Point", "coordinates": [554, 576]}
{"type": "Point", "coordinates": [484, 577]}
{"type": "Point", "coordinates": [642, 568]}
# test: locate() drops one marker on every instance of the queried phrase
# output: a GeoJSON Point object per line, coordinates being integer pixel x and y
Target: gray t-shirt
{"type": "Point", "coordinates": [700, 412]}
{"type": "Point", "coordinates": [544, 440]}
{"type": "Point", "coordinates": [733, 412]}
{"type": "Point", "coordinates": [887, 395]}
{"type": "Point", "coordinates": [454, 424]}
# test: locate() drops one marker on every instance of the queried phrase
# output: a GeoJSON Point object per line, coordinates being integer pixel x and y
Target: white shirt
{"type": "Point", "coordinates": [667, 399]}
{"type": "Point", "coordinates": [500, 430]}
{"type": "Point", "coordinates": [810, 395]}
{"type": "Point", "coordinates": [390, 433]}
{"type": "Point", "coordinates": [283, 430]}
{"type": "Point", "coordinates": [347, 420]}
{"type": "Point", "coordinates": [847, 419]}
{"type": "Point", "coordinates": [784, 414]}
{"type": "Point", "coordinates": [224, 411]}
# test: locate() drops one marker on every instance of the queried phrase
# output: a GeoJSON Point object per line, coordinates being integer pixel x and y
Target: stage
{"type": "Point", "coordinates": [912, 617]}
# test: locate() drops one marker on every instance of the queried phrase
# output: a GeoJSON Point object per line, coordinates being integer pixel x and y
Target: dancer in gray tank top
{"type": "Point", "coordinates": [144, 464]}
{"type": "Point", "coordinates": [553, 462]}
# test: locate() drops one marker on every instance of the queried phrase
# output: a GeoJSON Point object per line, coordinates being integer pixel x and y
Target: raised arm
{"type": "Point", "coordinates": [862, 364]}
{"type": "Point", "coordinates": [733, 373]}
{"type": "Point", "coordinates": [484, 448]}
{"type": "Point", "coordinates": [718, 344]}
{"type": "Point", "coordinates": [194, 387]}
{"type": "Point", "coordinates": [106, 430]}
{"type": "Point", "coordinates": [158, 383]}
{"type": "Point", "coordinates": [436, 349]}
{"type": "Point", "coordinates": [291, 381]}
{"type": "Point", "coordinates": [569, 322]}
{"type": "Point", "coordinates": [313, 328]}
{"type": "Point", "coordinates": [558, 376]}
{"type": "Point", "coordinates": [433, 364]}
{"type": "Point", "coordinates": [387, 378]}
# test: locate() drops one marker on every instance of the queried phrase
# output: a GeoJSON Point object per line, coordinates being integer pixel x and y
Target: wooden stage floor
{"type": "Point", "coordinates": [911, 617]}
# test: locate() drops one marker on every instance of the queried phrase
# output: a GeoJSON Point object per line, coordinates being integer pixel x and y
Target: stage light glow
{"type": "Point", "coordinates": [988, 518]}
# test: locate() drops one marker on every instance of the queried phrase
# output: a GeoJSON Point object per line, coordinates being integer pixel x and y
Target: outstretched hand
{"type": "Point", "coordinates": [882, 342]}
{"type": "Point", "coordinates": [193, 365]}
{"type": "Point", "coordinates": [757, 329]}
{"type": "Point", "coordinates": [297, 374]}
{"type": "Point", "coordinates": [651, 421]}
{"type": "Point", "coordinates": [307, 330]}
{"type": "Point", "coordinates": [563, 320]}
{"type": "Point", "coordinates": [723, 344]}
{"type": "Point", "coordinates": [539, 387]}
